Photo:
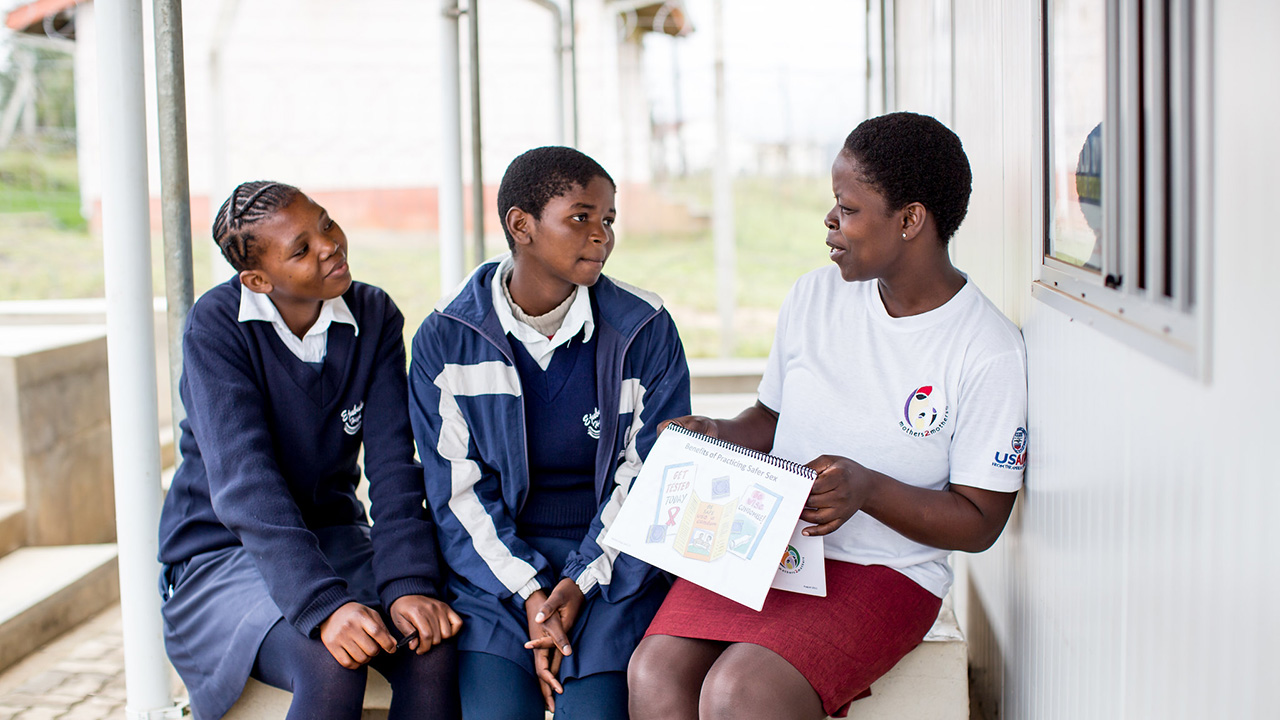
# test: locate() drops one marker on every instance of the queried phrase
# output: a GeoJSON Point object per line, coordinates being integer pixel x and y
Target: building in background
{"type": "Point", "coordinates": [342, 98]}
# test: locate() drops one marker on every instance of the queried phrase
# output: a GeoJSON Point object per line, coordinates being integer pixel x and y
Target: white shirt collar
{"type": "Point", "coordinates": [312, 346]}
{"type": "Point", "coordinates": [540, 347]}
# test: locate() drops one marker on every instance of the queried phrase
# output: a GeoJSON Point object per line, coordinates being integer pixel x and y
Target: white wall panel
{"type": "Point", "coordinates": [1137, 576]}
{"type": "Point", "coordinates": [979, 123]}
{"type": "Point", "coordinates": [922, 34]}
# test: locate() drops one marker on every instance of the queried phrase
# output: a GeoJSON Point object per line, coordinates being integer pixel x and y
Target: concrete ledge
{"type": "Point", "coordinates": [51, 314]}
{"type": "Point", "coordinates": [48, 590]}
{"type": "Point", "coordinates": [722, 405]}
{"type": "Point", "coordinates": [55, 432]}
{"type": "Point", "coordinates": [930, 683]}
{"type": "Point", "coordinates": [725, 375]}
{"type": "Point", "coordinates": [13, 526]}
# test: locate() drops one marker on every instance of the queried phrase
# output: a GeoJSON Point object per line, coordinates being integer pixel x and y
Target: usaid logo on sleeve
{"type": "Point", "coordinates": [1017, 459]}
{"type": "Point", "coordinates": [353, 418]}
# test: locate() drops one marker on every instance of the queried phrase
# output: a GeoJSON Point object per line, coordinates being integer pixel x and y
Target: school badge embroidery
{"type": "Point", "coordinates": [592, 421]}
{"type": "Point", "coordinates": [353, 418]}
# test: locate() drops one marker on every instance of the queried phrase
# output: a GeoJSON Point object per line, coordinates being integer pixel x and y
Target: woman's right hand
{"type": "Point", "coordinates": [354, 634]}
{"type": "Point", "coordinates": [752, 428]}
{"type": "Point", "coordinates": [696, 423]}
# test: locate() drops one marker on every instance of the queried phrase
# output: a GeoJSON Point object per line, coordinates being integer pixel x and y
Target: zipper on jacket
{"type": "Point", "coordinates": [524, 430]}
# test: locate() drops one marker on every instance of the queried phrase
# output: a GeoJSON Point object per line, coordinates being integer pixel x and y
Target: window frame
{"type": "Point", "coordinates": [1168, 321]}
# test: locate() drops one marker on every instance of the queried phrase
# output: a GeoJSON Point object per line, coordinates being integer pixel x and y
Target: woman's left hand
{"type": "Point", "coordinates": [842, 488]}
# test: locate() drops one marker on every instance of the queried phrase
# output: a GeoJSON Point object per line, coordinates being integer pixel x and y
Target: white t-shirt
{"type": "Point", "coordinates": [928, 400]}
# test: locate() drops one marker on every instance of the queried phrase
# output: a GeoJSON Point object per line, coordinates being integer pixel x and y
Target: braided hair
{"type": "Point", "coordinates": [249, 204]}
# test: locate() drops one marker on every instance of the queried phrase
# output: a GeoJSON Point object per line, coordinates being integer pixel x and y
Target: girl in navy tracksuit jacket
{"type": "Point", "coordinates": [535, 395]}
{"type": "Point", "coordinates": [270, 569]}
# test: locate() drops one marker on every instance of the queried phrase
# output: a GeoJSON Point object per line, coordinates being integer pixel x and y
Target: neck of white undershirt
{"type": "Point", "coordinates": [546, 324]}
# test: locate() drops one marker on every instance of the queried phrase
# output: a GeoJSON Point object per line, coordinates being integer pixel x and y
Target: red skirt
{"type": "Point", "coordinates": [870, 619]}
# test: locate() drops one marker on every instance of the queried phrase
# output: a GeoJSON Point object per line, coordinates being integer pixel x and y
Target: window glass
{"type": "Point", "coordinates": [1077, 103]}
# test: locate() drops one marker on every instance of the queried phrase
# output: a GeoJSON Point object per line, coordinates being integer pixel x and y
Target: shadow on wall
{"type": "Point", "coordinates": [986, 659]}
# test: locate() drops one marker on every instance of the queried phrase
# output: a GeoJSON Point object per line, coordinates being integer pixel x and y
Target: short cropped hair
{"type": "Point", "coordinates": [914, 158]}
{"type": "Point", "coordinates": [536, 176]}
{"type": "Point", "coordinates": [249, 203]}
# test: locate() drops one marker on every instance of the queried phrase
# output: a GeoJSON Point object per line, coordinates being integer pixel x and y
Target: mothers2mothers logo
{"type": "Point", "coordinates": [925, 413]}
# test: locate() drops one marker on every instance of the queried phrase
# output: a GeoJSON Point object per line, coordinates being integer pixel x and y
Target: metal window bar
{"type": "Point", "coordinates": [1155, 143]}
{"type": "Point", "coordinates": [1127, 147]}
{"type": "Point", "coordinates": [1199, 250]}
{"type": "Point", "coordinates": [1112, 265]}
{"type": "Point", "coordinates": [1182, 162]}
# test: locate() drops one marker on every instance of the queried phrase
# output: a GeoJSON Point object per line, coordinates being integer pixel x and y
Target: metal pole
{"type": "Point", "coordinates": [450, 199]}
{"type": "Point", "coordinates": [870, 65]}
{"type": "Point", "coordinates": [131, 360]}
{"type": "Point", "coordinates": [557, 19]}
{"type": "Point", "coordinates": [477, 170]}
{"type": "Point", "coordinates": [573, 69]}
{"type": "Point", "coordinates": [678, 125]}
{"type": "Point", "coordinates": [175, 191]}
{"type": "Point", "coordinates": [722, 192]}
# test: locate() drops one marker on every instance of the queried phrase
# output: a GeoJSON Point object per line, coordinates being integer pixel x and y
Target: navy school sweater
{"type": "Point", "coordinates": [562, 417]}
{"type": "Point", "coordinates": [270, 450]}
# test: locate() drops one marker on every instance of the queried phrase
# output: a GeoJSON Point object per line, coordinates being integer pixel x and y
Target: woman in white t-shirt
{"type": "Point", "coordinates": [905, 388]}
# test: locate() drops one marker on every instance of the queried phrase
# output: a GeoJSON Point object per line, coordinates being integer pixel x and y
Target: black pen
{"type": "Point", "coordinates": [405, 640]}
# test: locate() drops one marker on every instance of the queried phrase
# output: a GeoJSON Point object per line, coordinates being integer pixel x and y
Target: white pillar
{"type": "Point", "coordinates": [450, 196]}
{"type": "Point", "coordinates": [126, 233]}
{"type": "Point", "coordinates": [722, 228]}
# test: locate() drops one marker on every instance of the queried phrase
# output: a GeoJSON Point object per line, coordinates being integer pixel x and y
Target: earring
{"type": "Point", "coordinates": [904, 236]}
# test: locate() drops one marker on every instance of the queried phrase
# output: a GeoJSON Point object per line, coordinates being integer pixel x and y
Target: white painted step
{"type": "Point", "coordinates": [725, 375]}
{"type": "Point", "coordinates": [45, 591]}
{"type": "Point", "coordinates": [721, 405]}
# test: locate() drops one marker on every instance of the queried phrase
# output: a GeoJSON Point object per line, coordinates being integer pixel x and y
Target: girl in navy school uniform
{"type": "Point", "coordinates": [535, 394]}
{"type": "Point", "coordinates": [271, 568]}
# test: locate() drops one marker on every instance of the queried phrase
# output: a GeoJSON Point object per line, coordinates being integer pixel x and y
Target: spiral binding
{"type": "Point", "coordinates": [791, 466]}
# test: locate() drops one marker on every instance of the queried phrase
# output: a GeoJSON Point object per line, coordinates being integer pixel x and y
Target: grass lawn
{"type": "Point", "coordinates": [44, 254]}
